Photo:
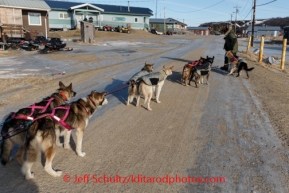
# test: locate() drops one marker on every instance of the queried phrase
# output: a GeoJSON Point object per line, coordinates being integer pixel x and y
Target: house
{"type": "Point", "coordinates": [66, 14]}
{"type": "Point", "coordinates": [23, 19]}
{"type": "Point", "coordinates": [204, 31]}
{"type": "Point", "coordinates": [268, 31]}
{"type": "Point", "coordinates": [171, 24]}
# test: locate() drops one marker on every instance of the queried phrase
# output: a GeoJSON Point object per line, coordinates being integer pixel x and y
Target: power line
{"type": "Point", "coordinates": [244, 6]}
{"type": "Point", "coordinates": [197, 9]}
{"type": "Point", "coordinates": [266, 3]}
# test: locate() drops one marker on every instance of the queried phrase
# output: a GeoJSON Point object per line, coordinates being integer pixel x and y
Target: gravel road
{"type": "Point", "coordinates": [219, 130]}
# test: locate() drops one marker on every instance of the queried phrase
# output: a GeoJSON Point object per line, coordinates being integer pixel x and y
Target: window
{"type": "Point", "coordinates": [34, 18]}
{"type": "Point", "coordinates": [135, 19]}
{"type": "Point", "coordinates": [63, 15]}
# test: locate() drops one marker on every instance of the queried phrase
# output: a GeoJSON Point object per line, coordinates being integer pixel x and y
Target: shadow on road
{"type": "Point", "coordinates": [118, 89]}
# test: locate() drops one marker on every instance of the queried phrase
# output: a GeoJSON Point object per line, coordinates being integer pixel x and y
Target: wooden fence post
{"type": "Point", "coordinates": [283, 54]}
{"type": "Point", "coordinates": [261, 49]}
{"type": "Point", "coordinates": [249, 44]}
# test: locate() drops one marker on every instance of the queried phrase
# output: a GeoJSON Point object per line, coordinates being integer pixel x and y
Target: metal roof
{"type": "Point", "coordinates": [168, 20]}
{"type": "Point", "coordinates": [156, 20]}
{"type": "Point", "coordinates": [264, 28]}
{"type": "Point", "coordinates": [27, 4]}
{"type": "Point", "coordinates": [197, 28]}
{"type": "Point", "coordinates": [65, 5]}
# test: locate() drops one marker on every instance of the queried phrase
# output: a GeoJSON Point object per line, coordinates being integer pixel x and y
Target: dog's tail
{"type": "Point", "coordinates": [132, 90]}
{"type": "Point", "coordinates": [249, 69]}
{"type": "Point", "coordinates": [5, 151]}
{"type": "Point", "coordinates": [6, 144]}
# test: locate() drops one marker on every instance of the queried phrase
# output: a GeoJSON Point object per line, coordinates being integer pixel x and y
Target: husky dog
{"type": "Point", "coordinates": [242, 65]}
{"type": "Point", "coordinates": [16, 124]}
{"type": "Point", "coordinates": [45, 131]}
{"type": "Point", "coordinates": [238, 65]}
{"type": "Point", "coordinates": [233, 62]}
{"type": "Point", "coordinates": [132, 83]}
{"type": "Point", "coordinates": [199, 72]}
{"type": "Point", "coordinates": [188, 69]}
{"type": "Point", "coordinates": [152, 83]}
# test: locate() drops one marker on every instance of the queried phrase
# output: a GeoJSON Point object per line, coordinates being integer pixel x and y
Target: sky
{"type": "Point", "coordinates": [195, 12]}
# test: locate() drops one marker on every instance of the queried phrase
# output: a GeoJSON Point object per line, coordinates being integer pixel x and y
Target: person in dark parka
{"type": "Point", "coordinates": [231, 44]}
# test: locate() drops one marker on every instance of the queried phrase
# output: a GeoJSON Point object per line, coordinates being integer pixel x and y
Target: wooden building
{"type": "Point", "coordinates": [68, 14]}
{"type": "Point", "coordinates": [23, 18]}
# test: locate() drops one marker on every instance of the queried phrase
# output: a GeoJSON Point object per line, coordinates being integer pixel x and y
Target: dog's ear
{"type": "Point", "coordinates": [70, 86]}
{"type": "Point", "coordinates": [146, 63]}
{"type": "Point", "coordinates": [172, 67]}
{"type": "Point", "coordinates": [61, 85]}
{"type": "Point", "coordinates": [164, 66]}
{"type": "Point", "coordinates": [103, 94]}
{"type": "Point", "coordinates": [153, 64]}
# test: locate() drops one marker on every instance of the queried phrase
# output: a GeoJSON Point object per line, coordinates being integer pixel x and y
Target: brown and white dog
{"type": "Point", "coordinates": [188, 70]}
{"type": "Point", "coordinates": [233, 62]}
{"type": "Point", "coordinates": [132, 83]}
{"type": "Point", "coordinates": [152, 84]}
{"type": "Point", "coordinates": [16, 124]}
{"type": "Point", "coordinates": [199, 72]}
{"type": "Point", "coordinates": [238, 65]}
{"type": "Point", "coordinates": [45, 131]}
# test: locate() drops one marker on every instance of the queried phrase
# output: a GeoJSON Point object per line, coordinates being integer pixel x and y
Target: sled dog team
{"type": "Point", "coordinates": [39, 126]}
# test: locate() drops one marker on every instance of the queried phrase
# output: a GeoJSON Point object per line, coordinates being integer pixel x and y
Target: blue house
{"type": "Point", "coordinates": [66, 14]}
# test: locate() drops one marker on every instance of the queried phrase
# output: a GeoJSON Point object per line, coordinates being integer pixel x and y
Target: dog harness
{"type": "Point", "coordinates": [205, 68]}
{"type": "Point", "coordinates": [33, 107]}
{"type": "Point", "coordinates": [59, 120]}
{"type": "Point", "coordinates": [138, 75]}
{"type": "Point", "coordinates": [154, 78]}
{"type": "Point", "coordinates": [195, 63]}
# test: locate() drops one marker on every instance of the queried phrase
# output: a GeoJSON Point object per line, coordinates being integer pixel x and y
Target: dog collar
{"type": "Point", "coordinates": [92, 102]}
{"type": "Point", "coordinates": [84, 108]}
{"type": "Point", "coordinates": [63, 95]}
{"type": "Point", "coordinates": [165, 72]}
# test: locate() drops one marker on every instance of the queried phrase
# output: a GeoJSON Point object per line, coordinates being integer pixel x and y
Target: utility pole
{"type": "Point", "coordinates": [165, 21]}
{"type": "Point", "coordinates": [253, 23]}
{"type": "Point", "coordinates": [156, 8]}
{"type": "Point", "coordinates": [231, 17]}
{"type": "Point", "coordinates": [237, 10]}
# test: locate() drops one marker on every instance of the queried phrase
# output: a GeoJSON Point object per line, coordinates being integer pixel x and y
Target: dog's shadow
{"type": "Point", "coordinates": [179, 59]}
{"type": "Point", "coordinates": [118, 89]}
{"type": "Point", "coordinates": [217, 70]}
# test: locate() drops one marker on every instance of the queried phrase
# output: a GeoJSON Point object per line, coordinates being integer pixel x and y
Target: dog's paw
{"type": "Point", "coordinates": [158, 101]}
{"type": "Point", "coordinates": [59, 144]}
{"type": "Point", "coordinates": [149, 109]}
{"type": "Point", "coordinates": [67, 146]}
{"type": "Point", "coordinates": [82, 154]}
{"type": "Point", "coordinates": [58, 173]}
{"type": "Point", "coordinates": [29, 176]}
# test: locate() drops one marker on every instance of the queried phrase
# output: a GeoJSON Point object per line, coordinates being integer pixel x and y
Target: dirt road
{"type": "Point", "coordinates": [226, 129]}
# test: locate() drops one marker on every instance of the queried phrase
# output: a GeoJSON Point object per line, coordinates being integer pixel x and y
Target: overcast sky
{"type": "Point", "coordinates": [196, 12]}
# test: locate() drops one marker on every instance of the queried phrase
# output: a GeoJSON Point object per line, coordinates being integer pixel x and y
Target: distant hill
{"type": "Point", "coordinates": [218, 26]}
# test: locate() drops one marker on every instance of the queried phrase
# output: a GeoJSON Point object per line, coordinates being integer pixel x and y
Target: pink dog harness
{"type": "Point", "coordinates": [62, 121]}
{"type": "Point", "coordinates": [59, 120]}
{"type": "Point", "coordinates": [195, 63]}
{"type": "Point", "coordinates": [33, 107]}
